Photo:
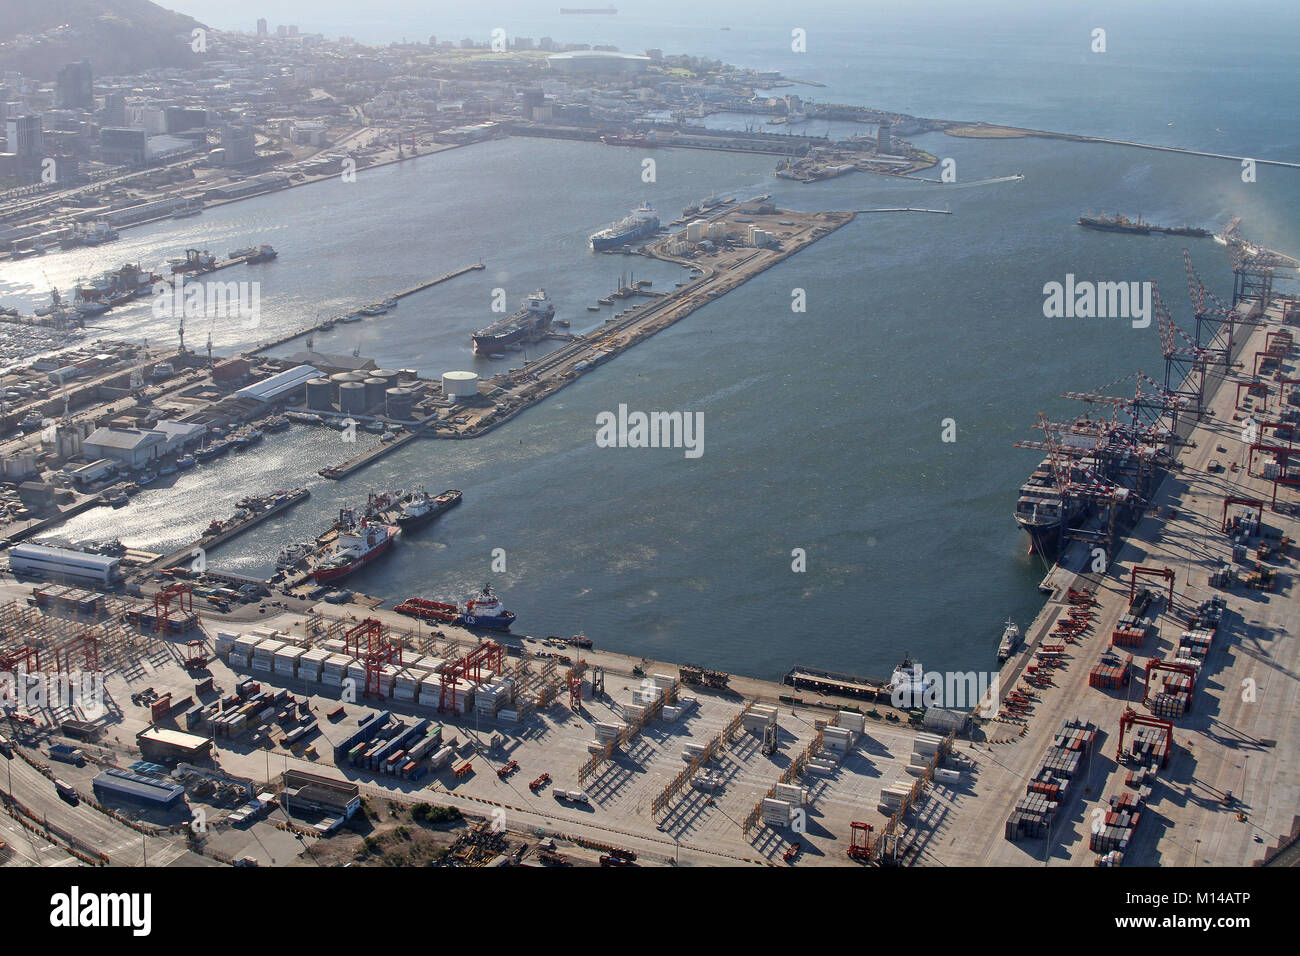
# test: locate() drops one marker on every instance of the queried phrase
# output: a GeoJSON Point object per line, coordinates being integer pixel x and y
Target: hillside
{"type": "Point", "coordinates": [116, 36]}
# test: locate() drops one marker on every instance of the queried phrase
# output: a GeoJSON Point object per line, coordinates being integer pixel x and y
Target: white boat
{"type": "Point", "coordinates": [909, 685]}
{"type": "Point", "coordinates": [1010, 641]}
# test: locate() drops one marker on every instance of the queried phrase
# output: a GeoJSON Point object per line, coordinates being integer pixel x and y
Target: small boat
{"type": "Point", "coordinates": [374, 427]}
{"type": "Point", "coordinates": [148, 478]}
{"type": "Point", "coordinates": [167, 470]}
{"type": "Point", "coordinates": [118, 500]}
{"type": "Point", "coordinates": [351, 317]}
{"type": "Point", "coordinates": [497, 355]}
{"type": "Point", "coordinates": [243, 253]}
{"type": "Point", "coordinates": [186, 461]}
{"type": "Point", "coordinates": [292, 556]}
{"type": "Point", "coordinates": [1010, 641]}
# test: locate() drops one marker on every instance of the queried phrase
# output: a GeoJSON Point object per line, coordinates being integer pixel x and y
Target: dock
{"type": "Point", "coordinates": [321, 325]}
{"type": "Point", "coordinates": [1233, 773]}
{"type": "Point", "coordinates": [357, 462]}
{"type": "Point", "coordinates": [226, 533]}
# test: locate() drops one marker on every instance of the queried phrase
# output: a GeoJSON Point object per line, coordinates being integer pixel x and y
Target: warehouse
{"type": "Point", "coordinates": [280, 385]}
{"type": "Point", "coordinates": [133, 447]}
{"type": "Point", "coordinates": [122, 787]}
{"type": "Point", "coordinates": [312, 792]}
{"type": "Point", "coordinates": [158, 743]}
{"type": "Point", "coordinates": [60, 564]}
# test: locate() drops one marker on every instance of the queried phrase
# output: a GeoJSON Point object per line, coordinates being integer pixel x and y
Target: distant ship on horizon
{"type": "Point", "coordinates": [602, 10]}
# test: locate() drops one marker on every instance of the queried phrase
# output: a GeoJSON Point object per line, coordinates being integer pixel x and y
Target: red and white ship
{"type": "Point", "coordinates": [360, 540]}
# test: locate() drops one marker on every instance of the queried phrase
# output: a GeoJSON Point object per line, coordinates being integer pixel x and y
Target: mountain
{"type": "Point", "coordinates": [116, 36]}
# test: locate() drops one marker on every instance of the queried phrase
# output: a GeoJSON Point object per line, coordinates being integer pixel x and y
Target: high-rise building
{"type": "Point", "coordinates": [261, 26]}
{"type": "Point", "coordinates": [114, 109]}
{"type": "Point", "coordinates": [23, 136]}
{"type": "Point", "coordinates": [882, 137]}
{"type": "Point", "coordinates": [237, 144]}
{"type": "Point", "coordinates": [74, 89]}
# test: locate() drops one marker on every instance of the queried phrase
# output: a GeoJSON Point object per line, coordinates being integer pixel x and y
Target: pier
{"type": "Point", "coordinates": [357, 462]}
{"type": "Point", "coordinates": [329, 323]}
{"type": "Point", "coordinates": [228, 532]}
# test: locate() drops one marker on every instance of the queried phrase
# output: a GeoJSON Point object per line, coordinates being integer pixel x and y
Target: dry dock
{"type": "Point", "coordinates": [1240, 733]}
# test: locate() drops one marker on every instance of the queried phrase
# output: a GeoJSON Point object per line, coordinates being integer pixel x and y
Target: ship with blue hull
{"type": "Point", "coordinates": [529, 324]}
{"type": "Point", "coordinates": [642, 222]}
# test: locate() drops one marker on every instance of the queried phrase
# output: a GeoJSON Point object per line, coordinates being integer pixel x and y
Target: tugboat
{"type": "Point", "coordinates": [422, 508]}
{"type": "Point", "coordinates": [486, 611]}
{"type": "Point", "coordinates": [482, 611]}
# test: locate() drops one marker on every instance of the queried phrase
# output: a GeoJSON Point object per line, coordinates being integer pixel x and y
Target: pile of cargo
{"type": "Point", "coordinates": [1129, 632]}
{"type": "Point", "coordinates": [1111, 672]}
{"type": "Point", "coordinates": [490, 698]}
{"type": "Point", "coordinates": [58, 597]}
{"type": "Point", "coordinates": [1115, 832]}
{"type": "Point", "coordinates": [396, 750]}
{"type": "Point", "coordinates": [1049, 786]}
{"type": "Point", "coordinates": [1150, 747]}
{"type": "Point", "coordinates": [608, 734]}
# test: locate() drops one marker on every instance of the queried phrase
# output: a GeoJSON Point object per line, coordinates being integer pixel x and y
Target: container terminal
{"type": "Point", "coordinates": [1122, 705]}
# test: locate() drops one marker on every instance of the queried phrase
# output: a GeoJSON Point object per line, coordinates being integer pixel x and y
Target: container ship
{"type": "Point", "coordinates": [484, 610]}
{"type": "Point", "coordinates": [1041, 512]}
{"type": "Point", "coordinates": [529, 324]}
{"type": "Point", "coordinates": [640, 223]}
{"type": "Point", "coordinates": [1121, 223]}
{"type": "Point", "coordinates": [420, 508]}
{"type": "Point", "coordinates": [359, 542]}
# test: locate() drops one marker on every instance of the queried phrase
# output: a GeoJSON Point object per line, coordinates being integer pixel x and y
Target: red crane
{"type": "Point", "coordinates": [1137, 572]}
{"type": "Point", "coordinates": [181, 592]}
{"type": "Point", "coordinates": [488, 655]}
{"type": "Point", "coordinates": [1131, 719]}
{"type": "Point", "coordinates": [1155, 664]}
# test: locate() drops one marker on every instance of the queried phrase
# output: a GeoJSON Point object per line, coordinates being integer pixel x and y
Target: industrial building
{"type": "Point", "coordinates": [123, 787]}
{"type": "Point", "coordinates": [313, 793]}
{"type": "Point", "coordinates": [159, 743]}
{"type": "Point", "coordinates": [603, 62]}
{"type": "Point", "coordinates": [280, 385]}
{"type": "Point", "coordinates": [133, 447]}
{"type": "Point", "coordinates": [61, 564]}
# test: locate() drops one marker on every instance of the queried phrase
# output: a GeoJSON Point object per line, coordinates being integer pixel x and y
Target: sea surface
{"type": "Point", "coordinates": [823, 429]}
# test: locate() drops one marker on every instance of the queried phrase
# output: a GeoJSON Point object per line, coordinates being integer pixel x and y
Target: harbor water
{"type": "Point", "coordinates": [823, 429]}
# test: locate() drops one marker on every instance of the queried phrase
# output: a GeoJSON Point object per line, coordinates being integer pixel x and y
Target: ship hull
{"type": "Point", "coordinates": [326, 575]}
{"type": "Point", "coordinates": [600, 243]}
{"type": "Point", "coordinates": [499, 623]}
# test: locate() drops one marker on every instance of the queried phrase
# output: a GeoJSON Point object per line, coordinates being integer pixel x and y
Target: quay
{"type": "Point", "coordinates": [1232, 781]}
{"type": "Point", "coordinates": [356, 462]}
{"type": "Point", "coordinates": [320, 326]}
{"type": "Point", "coordinates": [719, 273]}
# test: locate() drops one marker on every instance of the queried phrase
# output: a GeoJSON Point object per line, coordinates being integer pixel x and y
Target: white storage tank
{"type": "Point", "coordinates": [460, 385]}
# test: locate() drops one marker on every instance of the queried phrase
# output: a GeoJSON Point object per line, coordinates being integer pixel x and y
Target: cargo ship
{"type": "Point", "coordinates": [421, 508]}
{"type": "Point", "coordinates": [609, 11]}
{"type": "Point", "coordinates": [359, 542]}
{"type": "Point", "coordinates": [529, 324]}
{"type": "Point", "coordinates": [482, 611]}
{"type": "Point", "coordinates": [642, 222]}
{"type": "Point", "coordinates": [1041, 512]}
{"type": "Point", "coordinates": [114, 288]}
{"type": "Point", "coordinates": [1121, 223]}
{"type": "Point", "coordinates": [910, 686]}
{"type": "Point", "coordinates": [642, 140]}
